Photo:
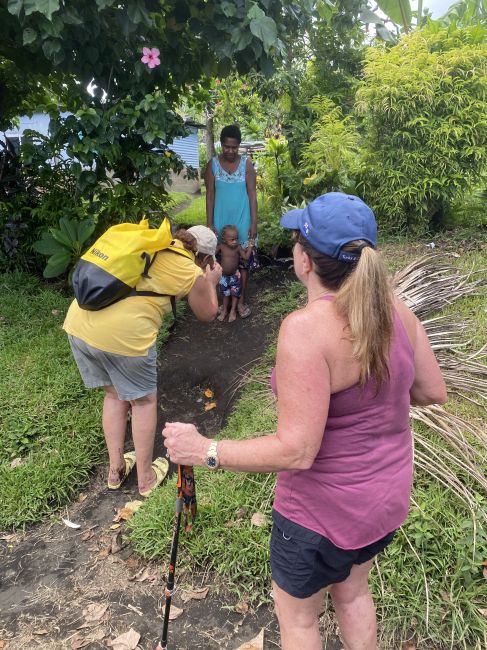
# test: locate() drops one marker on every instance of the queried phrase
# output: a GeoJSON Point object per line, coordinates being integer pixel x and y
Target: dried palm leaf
{"type": "Point", "coordinates": [429, 284]}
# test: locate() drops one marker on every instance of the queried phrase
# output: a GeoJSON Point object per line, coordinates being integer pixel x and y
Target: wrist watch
{"type": "Point", "coordinates": [212, 460]}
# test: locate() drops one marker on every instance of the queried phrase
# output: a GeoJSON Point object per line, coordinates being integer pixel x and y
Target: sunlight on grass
{"type": "Point", "coordinates": [193, 215]}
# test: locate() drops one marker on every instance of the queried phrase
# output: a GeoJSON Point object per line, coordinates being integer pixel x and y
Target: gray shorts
{"type": "Point", "coordinates": [132, 377]}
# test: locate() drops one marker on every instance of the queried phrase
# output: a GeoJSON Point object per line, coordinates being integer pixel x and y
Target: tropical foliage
{"type": "Point", "coordinates": [423, 104]}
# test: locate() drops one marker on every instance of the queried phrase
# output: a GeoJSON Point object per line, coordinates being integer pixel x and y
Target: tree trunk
{"type": "Point", "coordinates": [210, 136]}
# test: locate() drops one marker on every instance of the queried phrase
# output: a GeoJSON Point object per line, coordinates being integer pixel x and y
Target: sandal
{"type": "Point", "coordinates": [244, 311]}
{"type": "Point", "coordinates": [160, 467]}
{"type": "Point", "coordinates": [129, 459]}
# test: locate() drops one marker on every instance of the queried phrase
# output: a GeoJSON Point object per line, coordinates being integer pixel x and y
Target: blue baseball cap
{"type": "Point", "coordinates": [333, 220]}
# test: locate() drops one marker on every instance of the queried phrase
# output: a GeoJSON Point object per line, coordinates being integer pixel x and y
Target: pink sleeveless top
{"type": "Point", "coordinates": [358, 487]}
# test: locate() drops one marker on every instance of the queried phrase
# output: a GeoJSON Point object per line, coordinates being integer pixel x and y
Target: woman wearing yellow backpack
{"type": "Point", "coordinates": [114, 348]}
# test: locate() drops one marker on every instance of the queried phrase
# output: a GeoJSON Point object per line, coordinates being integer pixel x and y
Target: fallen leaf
{"type": "Point", "coordinates": [3, 644]}
{"type": "Point", "coordinates": [445, 596]}
{"type": "Point", "coordinates": [88, 534]}
{"type": "Point", "coordinates": [116, 542]}
{"type": "Point", "coordinates": [241, 512]}
{"type": "Point", "coordinates": [208, 393]}
{"type": "Point", "coordinates": [258, 519]}
{"type": "Point", "coordinates": [16, 462]}
{"type": "Point", "coordinates": [70, 524]}
{"type": "Point", "coordinates": [40, 632]}
{"type": "Point", "coordinates": [128, 510]}
{"type": "Point", "coordinates": [79, 641]}
{"type": "Point", "coordinates": [484, 573]}
{"type": "Point", "coordinates": [71, 434]}
{"type": "Point", "coordinates": [82, 497]}
{"type": "Point", "coordinates": [146, 574]}
{"type": "Point", "coordinates": [95, 611]}
{"type": "Point", "coordinates": [229, 524]}
{"type": "Point", "coordinates": [257, 643]}
{"type": "Point", "coordinates": [115, 526]}
{"type": "Point", "coordinates": [484, 563]}
{"type": "Point", "coordinates": [55, 312]}
{"type": "Point", "coordinates": [483, 612]}
{"type": "Point", "coordinates": [174, 612]}
{"type": "Point", "coordinates": [132, 563]}
{"type": "Point", "coordinates": [242, 607]}
{"type": "Point", "coordinates": [126, 641]}
{"type": "Point", "coordinates": [210, 405]}
{"type": "Point", "coordinates": [194, 594]}
{"type": "Point", "coordinates": [97, 635]}
{"type": "Point", "coordinates": [103, 554]}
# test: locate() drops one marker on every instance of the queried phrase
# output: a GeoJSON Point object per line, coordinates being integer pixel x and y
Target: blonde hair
{"type": "Point", "coordinates": [364, 299]}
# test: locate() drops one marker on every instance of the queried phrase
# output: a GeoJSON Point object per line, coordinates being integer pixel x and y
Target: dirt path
{"type": "Point", "coordinates": [64, 588]}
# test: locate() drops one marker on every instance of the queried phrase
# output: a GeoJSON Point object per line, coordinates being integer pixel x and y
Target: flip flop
{"type": "Point", "coordinates": [160, 467]}
{"type": "Point", "coordinates": [129, 459]}
{"type": "Point", "coordinates": [244, 311]}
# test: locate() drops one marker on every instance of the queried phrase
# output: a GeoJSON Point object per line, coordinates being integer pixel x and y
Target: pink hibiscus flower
{"type": "Point", "coordinates": [151, 56]}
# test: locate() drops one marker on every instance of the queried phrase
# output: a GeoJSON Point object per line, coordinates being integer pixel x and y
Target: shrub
{"type": "Point", "coordinates": [424, 110]}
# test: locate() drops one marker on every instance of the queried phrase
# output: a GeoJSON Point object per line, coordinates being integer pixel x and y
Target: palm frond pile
{"type": "Point", "coordinates": [427, 285]}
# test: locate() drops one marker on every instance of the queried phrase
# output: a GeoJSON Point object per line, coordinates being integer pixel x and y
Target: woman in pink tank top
{"type": "Point", "coordinates": [348, 367]}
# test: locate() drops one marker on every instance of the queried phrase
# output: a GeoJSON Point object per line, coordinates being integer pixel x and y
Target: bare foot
{"type": "Point", "coordinates": [232, 317]}
{"type": "Point", "coordinates": [221, 316]}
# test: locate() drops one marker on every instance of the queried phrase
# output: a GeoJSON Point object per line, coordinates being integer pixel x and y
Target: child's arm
{"type": "Point", "coordinates": [245, 253]}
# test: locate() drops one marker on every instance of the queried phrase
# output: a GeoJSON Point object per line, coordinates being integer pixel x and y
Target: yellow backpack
{"type": "Point", "coordinates": [110, 270]}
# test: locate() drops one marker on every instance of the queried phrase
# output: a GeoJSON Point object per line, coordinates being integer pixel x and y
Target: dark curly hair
{"type": "Point", "coordinates": [231, 131]}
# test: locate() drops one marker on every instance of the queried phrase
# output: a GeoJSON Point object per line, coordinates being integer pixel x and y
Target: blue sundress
{"type": "Point", "coordinates": [232, 204]}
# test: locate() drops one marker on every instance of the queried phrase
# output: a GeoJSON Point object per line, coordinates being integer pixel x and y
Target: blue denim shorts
{"type": "Point", "coordinates": [303, 562]}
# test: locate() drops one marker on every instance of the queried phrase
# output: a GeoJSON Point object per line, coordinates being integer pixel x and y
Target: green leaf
{"type": "Point", "coordinates": [255, 13]}
{"type": "Point", "coordinates": [68, 227]}
{"type": "Point", "coordinates": [45, 7]}
{"type": "Point", "coordinates": [51, 48]}
{"type": "Point", "coordinates": [399, 11]}
{"type": "Point", "coordinates": [48, 245]}
{"type": "Point", "coordinates": [29, 36]}
{"type": "Point", "coordinates": [103, 4]}
{"type": "Point", "coordinates": [385, 34]}
{"type": "Point", "coordinates": [137, 13]}
{"type": "Point", "coordinates": [325, 9]}
{"type": "Point", "coordinates": [61, 237]}
{"type": "Point", "coordinates": [85, 230]}
{"type": "Point", "coordinates": [15, 7]}
{"type": "Point", "coordinates": [229, 9]}
{"type": "Point", "coordinates": [265, 30]}
{"type": "Point", "coordinates": [57, 264]}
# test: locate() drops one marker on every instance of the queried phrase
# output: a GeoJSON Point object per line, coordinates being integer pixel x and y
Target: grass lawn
{"type": "Point", "coordinates": [177, 198]}
{"type": "Point", "coordinates": [429, 583]}
{"type": "Point", "coordinates": [194, 214]}
{"type": "Point", "coordinates": [50, 435]}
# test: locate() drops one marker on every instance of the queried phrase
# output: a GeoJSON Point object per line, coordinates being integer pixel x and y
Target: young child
{"type": "Point", "coordinates": [231, 253]}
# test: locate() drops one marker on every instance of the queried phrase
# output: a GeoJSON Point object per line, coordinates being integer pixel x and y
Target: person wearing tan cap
{"type": "Point", "coordinates": [115, 349]}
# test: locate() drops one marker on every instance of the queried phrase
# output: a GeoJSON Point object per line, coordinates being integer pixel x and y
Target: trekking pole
{"type": "Point", "coordinates": [185, 499]}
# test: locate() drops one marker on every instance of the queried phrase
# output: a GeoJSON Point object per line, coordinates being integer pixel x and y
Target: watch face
{"type": "Point", "coordinates": [211, 462]}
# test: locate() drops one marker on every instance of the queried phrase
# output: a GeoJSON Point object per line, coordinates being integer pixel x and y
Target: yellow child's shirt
{"type": "Point", "coordinates": [130, 326]}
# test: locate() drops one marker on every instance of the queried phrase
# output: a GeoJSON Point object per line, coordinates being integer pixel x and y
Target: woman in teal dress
{"type": "Point", "coordinates": [231, 198]}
